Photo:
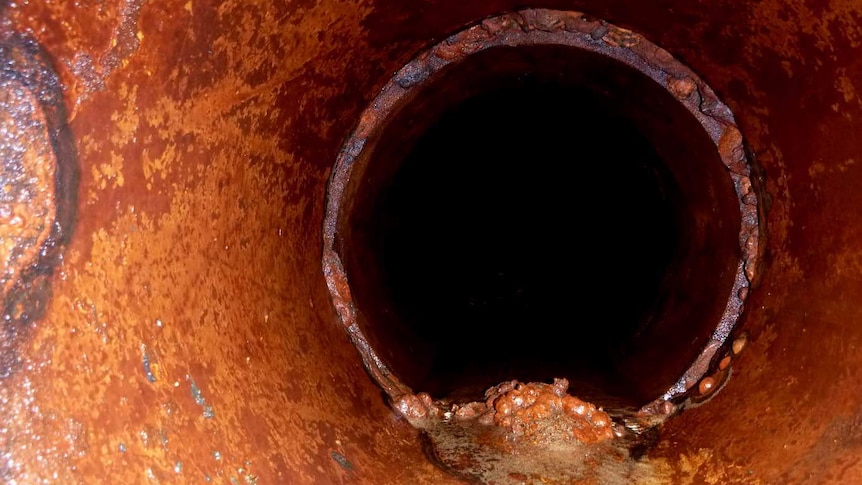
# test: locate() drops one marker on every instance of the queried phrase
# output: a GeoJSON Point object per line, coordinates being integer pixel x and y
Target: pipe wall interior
{"type": "Point", "coordinates": [189, 332]}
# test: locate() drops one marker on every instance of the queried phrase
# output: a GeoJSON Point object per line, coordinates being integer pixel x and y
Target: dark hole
{"type": "Point", "coordinates": [511, 215]}
{"type": "Point", "coordinates": [522, 221]}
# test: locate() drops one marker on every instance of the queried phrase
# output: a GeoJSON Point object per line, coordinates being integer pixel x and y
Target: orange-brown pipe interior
{"type": "Point", "coordinates": [205, 133]}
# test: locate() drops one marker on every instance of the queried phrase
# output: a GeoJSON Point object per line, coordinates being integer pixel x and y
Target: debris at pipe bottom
{"type": "Point", "coordinates": [534, 411]}
{"type": "Point", "coordinates": [524, 433]}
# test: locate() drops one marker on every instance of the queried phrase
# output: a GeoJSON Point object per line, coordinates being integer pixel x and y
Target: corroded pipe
{"type": "Point", "coordinates": [183, 330]}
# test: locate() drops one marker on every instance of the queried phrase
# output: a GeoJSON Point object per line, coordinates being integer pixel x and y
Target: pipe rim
{"type": "Point", "coordinates": [571, 29]}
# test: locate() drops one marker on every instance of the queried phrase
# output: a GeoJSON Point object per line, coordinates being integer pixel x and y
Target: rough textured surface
{"type": "Point", "coordinates": [170, 348]}
{"type": "Point", "coordinates": [535, 432]}
{"type": "Point", "coordinates": [38, 186]}
{"type": "Point", "coordinates": [204, 133]}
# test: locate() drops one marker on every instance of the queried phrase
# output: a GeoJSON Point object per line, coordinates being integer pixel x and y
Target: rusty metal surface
{"type": "Point", "coordinates": [38, 185]}
{"type": "Point", "coordinates": [204, 131]}
{"type": "Point", "coordinates": [173, 347]}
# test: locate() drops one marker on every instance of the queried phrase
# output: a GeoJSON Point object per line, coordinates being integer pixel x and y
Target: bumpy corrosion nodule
{"type": "Point", "coordinates": [527, 412]}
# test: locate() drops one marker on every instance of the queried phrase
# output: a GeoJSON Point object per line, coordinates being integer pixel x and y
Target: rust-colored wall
{"type": "Point", "coordinates": [205, 133]}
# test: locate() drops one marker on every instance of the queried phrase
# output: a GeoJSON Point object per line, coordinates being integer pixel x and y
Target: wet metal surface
{"type": "Point", "coordinates": [38, 186]}
{"type": "Point", "coordinates": [204, 133]}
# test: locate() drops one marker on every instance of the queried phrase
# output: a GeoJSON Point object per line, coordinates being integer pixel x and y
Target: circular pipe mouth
{"type": "Point", "coordinates": [543, 195]}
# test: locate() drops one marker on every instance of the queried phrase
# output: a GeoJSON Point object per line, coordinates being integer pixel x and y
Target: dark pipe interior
{"type": "Point", "coordinates": [540, 212]}
{"type": "Point", "coordinates": [509, 215]}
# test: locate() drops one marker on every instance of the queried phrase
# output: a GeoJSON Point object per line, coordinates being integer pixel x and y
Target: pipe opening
{"type": "Point", "coordinates": [525, 235]}
{"type": "Point", "coordinates": [537, 212]}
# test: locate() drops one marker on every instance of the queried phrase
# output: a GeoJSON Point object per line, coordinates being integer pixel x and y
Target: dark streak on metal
{"type": "Point", "coordinates": [39, 180]}
{"type": "Point", "coordinates": [200, 400]}
{"type": "Point", "coordinates": [342, 461]}
{"type": "Point", "coordinates": [145, 358]}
